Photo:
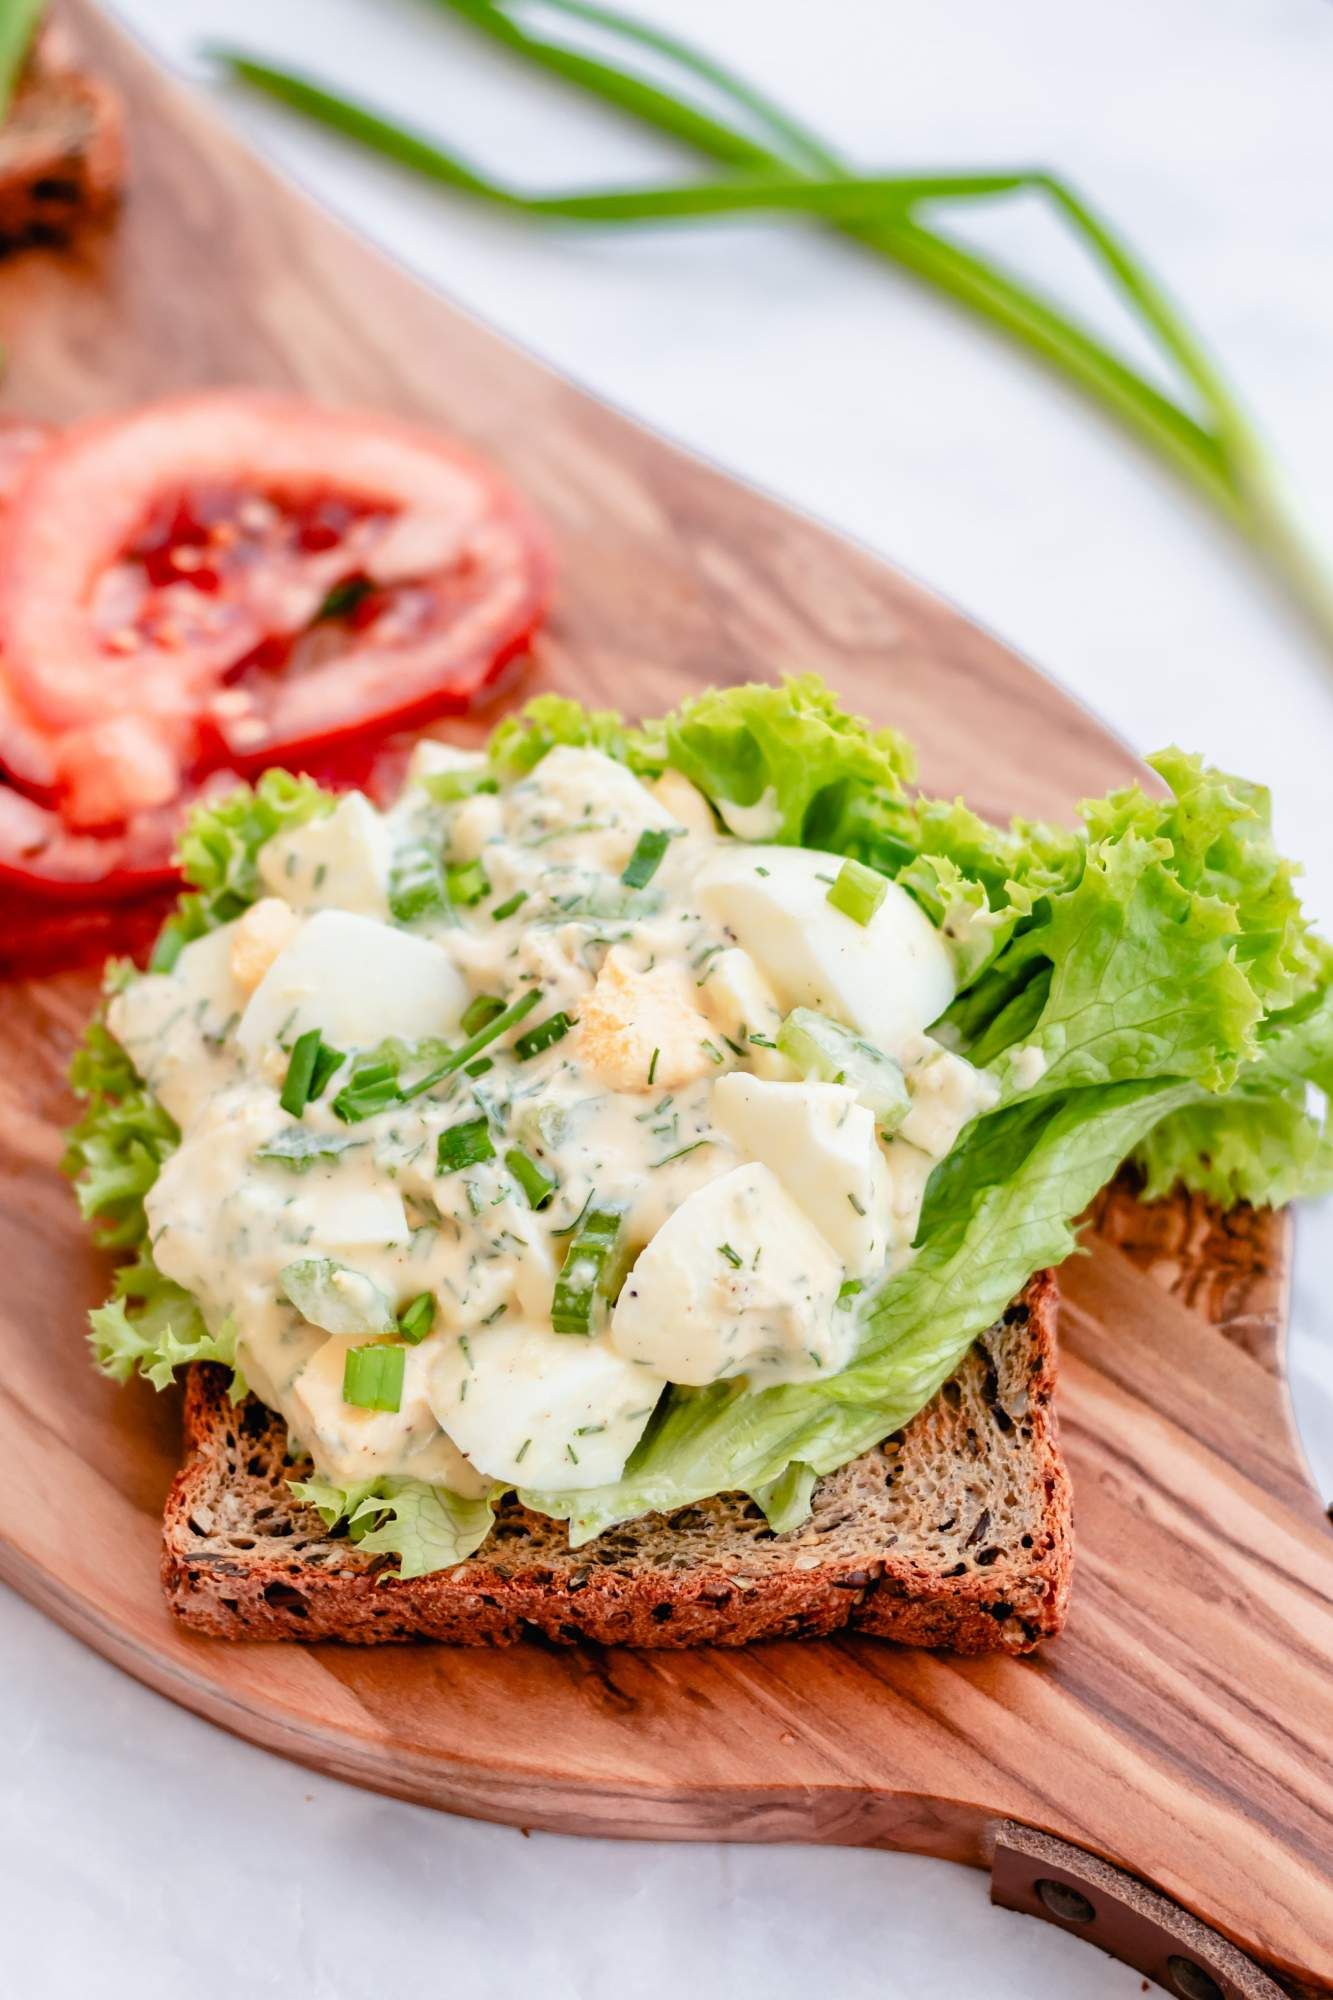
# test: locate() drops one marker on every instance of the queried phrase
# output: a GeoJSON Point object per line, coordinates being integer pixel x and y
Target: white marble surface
{"type": "Point", "coordinates": [144, 1854]}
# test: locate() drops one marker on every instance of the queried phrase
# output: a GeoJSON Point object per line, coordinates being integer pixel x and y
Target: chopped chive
{"type": "Point", "coordinates": [570, 1227]}
{"type": "Point", "coordinates": [509, 906]}
{"type": "Point", "coordinates": [571, 1454]}
{"type": "Point", "coordinates": [652, 1067]}
{"type": "Point", "coordinates": [761, 1041]}
{"type": "Point", "coordinates": [680, 1155]}
{"type": "Point", "coordinates": [725, 1250]}
{"type": "Point", "coordinates": [546, 1033]}
{"type": "Point", "coordinates": [713, 1052]}
{"type": "Point", "coordinates": [499, 1024]}
{"type": "Point", "coordinates": [300, 1073]}
{"type": "Point", "coordinates": [373, 1377]}
{"type": "Point", "coordinates": [299, 1148]}
{"type": "Point", "coordinates": [646, 859]}
{"type": "Point", "coordinates": [592, 1272]}
{"type": "Point", "coordinates": [521, 1453]}
{"type": "Point", "coordinates": [448, 787]}
{"type": "Point", "coordinates": [465, 1145]}
{"type": "Point", "coordinates": [466, 883]}
{"type": "Point", "coordinates": [478, 1012]}
{"type": "Point", "coordinates": [537, 1186]}
{"type": "Point", "coordinates": [735, 1047]}
{"type": "Point", "coordinates": [858, 1206]}
{"type": "Point", "coordinates": [417, 1320]}
{"type": "Point", "coordinates": [760, 871]}
{"type": "Point", "coordinates": [858, 891]}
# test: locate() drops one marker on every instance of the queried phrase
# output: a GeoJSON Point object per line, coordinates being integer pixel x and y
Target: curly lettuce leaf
{"type": "Point", "coordinates": [426, 1527]}
{"type": "Point", "coordinates": [219, 853]}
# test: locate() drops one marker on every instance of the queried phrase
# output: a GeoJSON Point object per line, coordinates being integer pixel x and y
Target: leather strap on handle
{"type": "Point", "coordinates": [1047, 1878]}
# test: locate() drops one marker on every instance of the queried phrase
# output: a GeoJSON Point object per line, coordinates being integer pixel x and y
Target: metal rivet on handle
{"type": "Point", "coordinates": [1191, 1981]}
{"type": "Point", "coordinates": [1072, 1907]}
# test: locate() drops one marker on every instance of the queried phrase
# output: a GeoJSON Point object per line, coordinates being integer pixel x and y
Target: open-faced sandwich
{"type": "Point", "coordinates": [613, 1190]}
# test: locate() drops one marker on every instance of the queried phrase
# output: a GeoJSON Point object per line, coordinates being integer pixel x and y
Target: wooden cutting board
{"type": "Point", "coordinates": [1181, 1727]}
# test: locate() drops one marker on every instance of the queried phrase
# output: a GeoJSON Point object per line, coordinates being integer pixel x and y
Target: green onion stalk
{"type": "Point", "coordinates": [776, 165]}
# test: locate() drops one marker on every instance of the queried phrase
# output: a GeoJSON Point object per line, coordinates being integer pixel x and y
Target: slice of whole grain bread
{"type": "Point", "coordinates": [953, 1533]}
{"type": "Point", "coordinates": [62, 157]}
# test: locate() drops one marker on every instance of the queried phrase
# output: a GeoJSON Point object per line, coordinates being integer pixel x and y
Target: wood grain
{"type": "Point", "coordinates": [1181, 1727]}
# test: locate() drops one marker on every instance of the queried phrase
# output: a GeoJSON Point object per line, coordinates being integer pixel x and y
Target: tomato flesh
{"type": "Point", "coordinates": [169, 595]}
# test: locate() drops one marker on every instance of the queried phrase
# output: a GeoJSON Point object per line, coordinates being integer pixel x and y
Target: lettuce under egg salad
{"type": "Point", "coordinates": [634, 1114]}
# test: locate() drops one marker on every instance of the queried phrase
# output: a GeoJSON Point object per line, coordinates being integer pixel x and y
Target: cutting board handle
{"type": "Point", "coordinates": [1060, 1883]}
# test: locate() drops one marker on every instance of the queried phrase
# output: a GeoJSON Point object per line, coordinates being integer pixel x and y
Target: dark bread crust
{"type": "Point", "coordinates": [62, 149]}
{"type": "Point", "coordinates": [954, 1533]}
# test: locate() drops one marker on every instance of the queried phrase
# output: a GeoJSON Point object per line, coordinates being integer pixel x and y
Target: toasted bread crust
{"type": "Point", "coordinates": [243, 1559]}
{"type": "Point", "coordinates": [62, 148]}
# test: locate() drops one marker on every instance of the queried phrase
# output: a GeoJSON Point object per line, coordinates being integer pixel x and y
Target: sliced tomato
{"type": "Point", "coordinates": [41, 856]}
{"type": "Point", "coordinates": [234, 580]}
{"type": "Point", "coordinates": [38, 937]}
{"type": "Point", "coordinates": [20, 441]}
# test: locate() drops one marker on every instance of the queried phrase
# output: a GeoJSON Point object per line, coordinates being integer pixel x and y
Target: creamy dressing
{"type": "Point", "coordinates": [645, 1080]}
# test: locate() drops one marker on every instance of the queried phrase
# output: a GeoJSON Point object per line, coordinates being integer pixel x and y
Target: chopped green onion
{"type": "Point", "coordinates": [536, 1185]}
{"type": "Point", "coordinates": [858, 891]}
{"type": "Point", "coordinates": [553, 1029]}
{"type": "Point", "coordinates": [372, 1086]}
{"type": "Point", "coordinates": [300, 1073]}
{"type": "Point", "coordinates": [464, 1145]}
{"type": "Point", "coordinates": [725, 1250]}
{"type": "Point", "coordinates": [646, 859]}
{"type": "Point", "coordinates": [509, 906]}
{"type": "Point", "coordinates": [373, 1378]}
{"type": "Point", "coordinates": [416, 884]}
{"type": "Point", "coordinates": [592, 1272]}
{"type": "Point", "coordinates": [448, 787]}
{"type": "Point", "coordinates": [479, 1067]}
{"type": "Point", "coordinates": [486, 1007]}
{"type": "Point", "coordinates": [823, 1049]}
{"type": "Point", "coordinates": [298, 1148]}
{"type": "Point", "coordinates": [499, 1024]}
{"type": "Point", "coordinates": [466, 883]}
{"type": "Point", "coordinates": [336, 1297]}
{"type": "Point", "coordinates": [327, 1064]}
{"type": "Point", "coordinates": [416, 1321]}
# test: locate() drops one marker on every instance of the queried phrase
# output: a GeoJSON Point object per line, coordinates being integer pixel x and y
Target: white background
{"type": "Point", "coordinates": [144, 1854]}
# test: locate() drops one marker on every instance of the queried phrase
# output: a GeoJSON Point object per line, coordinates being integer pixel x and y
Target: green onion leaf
{"type": "Point", "coordinates": [373, 1378]}
{"type": "Point", "coordinates": [372, 1086]}
{"type": "Point", "coordinates": [499, 1024]}
{"type": "Point", "coordinates": [485, 1008]}
{"type": "Point", "coordinates": [509, 906]}
{"type": "Point", "coordinates": [643, 864]}
{"type": "Point", "coordinates": [593, 1271]}
{"type": "Point", "coordinates": [336, 1297]}
{"type": "Point", "coordinates": [536, 1185]}
{"type": "Point", "coordinates": [466, 883]}
{"type": "Point", "coordinates": [858, 891]}
{"type": "Point", "coordinates": [823, 1049]}
{"type": "Point", "coordinates": [553, 1029]}
{"type": "Point", "coordinates": [300, 1073]}
{"type": "Point", "coordinates": [464, 1145]}
{"type": "Point", "coordinates": [417, 1319]}
{"type": "Point", "coordinates": [416, 884]}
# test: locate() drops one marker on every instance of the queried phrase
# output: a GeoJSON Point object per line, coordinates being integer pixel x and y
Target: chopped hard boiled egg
{"type": "Point", "coordinates": [358, 982]}
{"type": "Point", "coordinates": [267, 928]}
{"type": "Point", "coordinates": [742, 1006]}
{"type": "Point", "coordinates": [736, 1282]}
{"type": "Point", "coordinates": [351, 1444]}
{"type": "Point", "coordinates": [642, 1030]}
{"type": "Point", "coordinates": [170, 1024]}
{"type": "Point", "coordinates": [339, 862]}
{"type": "Point", "coordinates": [947, 1092]}
{"type": "Point", "coordinates": [541, 1409]}
{"type": "Point", "coordinates": [821, 1144]}
{"type": "Point", "coordinates": [889, 977]}
{"type": "Point", "coordinates": [584, 807]}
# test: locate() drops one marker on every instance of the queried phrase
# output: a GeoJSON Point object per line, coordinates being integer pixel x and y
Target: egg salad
{"type": "Point", "coordinates": [504, 1109]}
{"type": "Point", "coordinates": [628, 1115]}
